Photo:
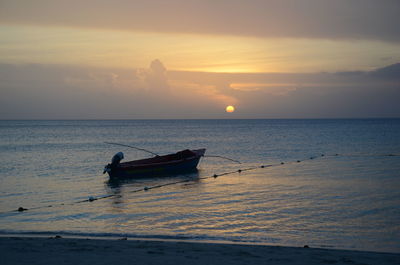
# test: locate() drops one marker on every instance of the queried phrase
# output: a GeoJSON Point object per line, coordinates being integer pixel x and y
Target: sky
{"type": "Point", "coordinates": [171, 59]}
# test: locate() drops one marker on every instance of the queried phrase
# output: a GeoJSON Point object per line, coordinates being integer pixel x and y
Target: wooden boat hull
{"type": "Point", "coordinates": [180, 162]}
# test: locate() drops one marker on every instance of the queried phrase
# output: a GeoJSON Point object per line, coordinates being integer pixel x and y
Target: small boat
{"type": "Point", "coordinates": [180, 162]}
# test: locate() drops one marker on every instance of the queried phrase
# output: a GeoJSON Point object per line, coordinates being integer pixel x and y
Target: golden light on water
{"type": "Point", "coordinates": [230, 109]}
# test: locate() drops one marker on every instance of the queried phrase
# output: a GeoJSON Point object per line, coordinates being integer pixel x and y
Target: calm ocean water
{"type": "Point", "coordinates": [350, 200]}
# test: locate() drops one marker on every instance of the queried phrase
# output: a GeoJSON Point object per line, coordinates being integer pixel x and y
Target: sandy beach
{"type": "Point", "coordinates": [28, 250]}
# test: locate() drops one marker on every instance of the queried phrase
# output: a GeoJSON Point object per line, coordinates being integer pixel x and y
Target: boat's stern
{"type": "Point", "coordinates": [114, 163]}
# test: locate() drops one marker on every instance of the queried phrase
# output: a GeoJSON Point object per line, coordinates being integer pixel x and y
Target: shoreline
{"type": "Point", "coordinates": [73, 250]}
{"type": "Point", "coordinates": [161, 238]}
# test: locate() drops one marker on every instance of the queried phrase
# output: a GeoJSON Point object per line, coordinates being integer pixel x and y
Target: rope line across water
{"type": "Point", "coordinates": [91, 199]}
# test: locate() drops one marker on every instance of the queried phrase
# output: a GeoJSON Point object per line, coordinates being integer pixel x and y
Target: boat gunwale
{"type": "Point", "coordinates": [197, 153]}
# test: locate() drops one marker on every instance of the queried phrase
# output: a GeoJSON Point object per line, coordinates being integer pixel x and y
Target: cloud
{"type": "Point", "coordinates": [71, 92]}
{"type": "Point", "coordinates": [156, 77]}
{"type": "Point", "coordinates": [280, 89]}
{"type": "Point", "coordinates": [339, 19]}
{"type": "Point", "coordinates": [38, 91]}
{"type": "Point", "coordinates": [391, 72]}
{"type": "Point", "coordinates": [212, 92]}
{"type": "Point", "coordinates": [313, 95]}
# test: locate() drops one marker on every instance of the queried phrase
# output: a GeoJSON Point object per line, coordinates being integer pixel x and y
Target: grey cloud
{"type": "Point", "coordinates": [316, 95]}
{"type": "Point", "coordinates": [391, 72]}
{"type": "Point", "coordinates": [349, 19]}
{"type": "Point", "coordinates": [156, 77]}
{"type": "Point", "coordinates": [38, 91]}
{"type": "Point", "coordinates": [55, 92]}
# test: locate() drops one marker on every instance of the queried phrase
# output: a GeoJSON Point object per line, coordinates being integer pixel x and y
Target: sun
{"type": "Point", "coordinates": [230, 109]}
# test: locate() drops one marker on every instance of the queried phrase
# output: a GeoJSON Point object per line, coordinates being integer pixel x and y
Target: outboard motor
{"type": "Point", "coordinates": [114, 162]}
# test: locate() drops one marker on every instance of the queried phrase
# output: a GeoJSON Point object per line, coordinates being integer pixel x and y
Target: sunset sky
{"type": "Point", "coordinates": [191, 59]}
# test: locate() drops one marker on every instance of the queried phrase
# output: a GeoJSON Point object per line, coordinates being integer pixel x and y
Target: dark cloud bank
{"type": "Point", "coordinates": [338, 19]}
{"type": "Point", "coordinates": [66, 92]}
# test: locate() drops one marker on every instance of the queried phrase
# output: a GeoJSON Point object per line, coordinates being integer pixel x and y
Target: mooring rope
{"type": "Point", "coordinates": [91, 198]}
{"type": "Point", "coordinates": [224, 157]}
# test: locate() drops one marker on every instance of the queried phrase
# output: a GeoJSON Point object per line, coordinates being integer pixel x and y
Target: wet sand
{"type": "Point", "coordinates": [28, 250]}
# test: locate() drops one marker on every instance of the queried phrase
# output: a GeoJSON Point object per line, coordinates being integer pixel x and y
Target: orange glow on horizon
{"type": "Point", "coordinates": [107, 48]}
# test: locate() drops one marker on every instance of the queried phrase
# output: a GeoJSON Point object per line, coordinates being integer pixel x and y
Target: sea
{"type": "Point", "coordinates": [325, 183]}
